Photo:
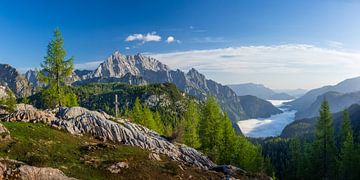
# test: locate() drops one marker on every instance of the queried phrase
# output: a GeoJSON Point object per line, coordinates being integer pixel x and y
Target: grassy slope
{"type": "Point", "coordinates": [87, 158]}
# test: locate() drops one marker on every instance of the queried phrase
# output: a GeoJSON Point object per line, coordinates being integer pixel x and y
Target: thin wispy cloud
{"type": "Point", "coordinates": [289, 65]}
{"type": "Point", "coordinates": [335, 44]}
{"type": "Point", "coordinates": [277, 66]}
{"type": "Point", "coordinates": [210, 40]}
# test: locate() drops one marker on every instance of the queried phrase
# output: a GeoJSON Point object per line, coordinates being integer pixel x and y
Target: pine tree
{"type": "Point", "coordinates": [229, 142]}
{"type": "Point", "coordinates": [346, 162]}
{"type": "Point", "coordinates": [210, 128]}
{"type": "Point", "coordinates": [324, 149]}
{"type": "Point", "coordinates": [137, 112]}
{"type": "Point", "coordinates": [55, 69]}
{"type": "Point", "coordinates": [296, 159]}
{"type": "Point", "coordinates": [192, 120]}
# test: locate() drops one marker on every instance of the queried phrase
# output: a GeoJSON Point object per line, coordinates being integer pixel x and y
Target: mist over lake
{"type": "Point", "coordinates": [272, 126]}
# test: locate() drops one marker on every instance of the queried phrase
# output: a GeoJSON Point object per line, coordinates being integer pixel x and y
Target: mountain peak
{"type": "Point", "coordinates": [118, 65]}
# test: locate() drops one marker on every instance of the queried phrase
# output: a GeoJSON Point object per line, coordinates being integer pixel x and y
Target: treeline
{"type": "Point", "coordinates": [323, 156]}
{"type": "Point", "coordinates": [206, 128]}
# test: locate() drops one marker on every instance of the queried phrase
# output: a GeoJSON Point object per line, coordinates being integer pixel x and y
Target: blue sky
{"type": "Point", "coordinates": [94, 29]}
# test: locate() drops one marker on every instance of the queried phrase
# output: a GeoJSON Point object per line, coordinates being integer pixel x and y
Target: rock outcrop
{"type": "Point", "coordinates": [27, 113]}
{"type": "Point", "coordinates": [11, 78]}
{"type": "Point", "coordinates": [11, 169]}
{"type": "Point", "coordinates": [79, 120]}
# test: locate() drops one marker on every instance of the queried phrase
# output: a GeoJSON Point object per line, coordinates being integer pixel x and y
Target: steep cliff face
{"type": "Point", "coordinates": [11, 78]}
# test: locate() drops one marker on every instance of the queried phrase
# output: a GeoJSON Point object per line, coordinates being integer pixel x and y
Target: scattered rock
{"type": "Point", "coordinates": [77, 120]}
{"type": "Point", "coordinates": [229, 170]}
{"type": "Point", "coordinates": [11, 169]}
{"type": "Point", "coordinates": [154, 156]}
{"type": "Point", "coordinates": [4, 133]}
{"type": "Point", "coordinates": [27, 113]}
{"type": "Point", "coordinates": [116, 168]}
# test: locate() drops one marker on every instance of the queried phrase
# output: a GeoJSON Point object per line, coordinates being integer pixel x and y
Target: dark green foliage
{"type": "Point", "coordinates": [347, 157]}
{"type": "Point", "coordinates": [55, 69]}
{"type": "Point", "coordinates": [324, 150]}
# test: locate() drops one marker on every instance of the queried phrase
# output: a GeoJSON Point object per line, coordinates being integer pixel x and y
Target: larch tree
{"type": "Point", "coordinates": [137, 112]}
{"type": "Point", "coordinates": [229, 142]}
{"type": "Point", "coordinates": [192, 120]}
{"type": "Point", "coordinates": [210, 128]}
{"type": "Point", "coordinates": [55, 70]}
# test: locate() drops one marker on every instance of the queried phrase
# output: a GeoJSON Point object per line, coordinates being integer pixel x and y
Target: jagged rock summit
{"type": "Point", "coordinates": [11, 78]}
{"type": "Point", "coordinates": [118, 65]}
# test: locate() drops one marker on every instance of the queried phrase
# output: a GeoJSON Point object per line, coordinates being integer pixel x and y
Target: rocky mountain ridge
{"type": "Point", "coordinates": [305, 101]}
{"type": "Point", "coordinates": [259, 91]}
{"type": "Point", "coordinates": [139, 69]}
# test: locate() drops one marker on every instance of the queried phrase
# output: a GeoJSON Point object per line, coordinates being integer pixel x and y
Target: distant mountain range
{"type": "Point", "coordinates": [305, 127]}
{"type": "Point", "coordinates": [308, 104]}
{"type": "Point", "coordinates": [292, 92]}
{"type": "Point", "coordinates": [259, 91]}
{"type": "Point", "coordinates": [337, 101]}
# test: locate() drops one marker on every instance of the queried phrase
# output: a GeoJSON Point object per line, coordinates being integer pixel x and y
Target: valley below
{"type": "Point", "coordinates": [271, 126]}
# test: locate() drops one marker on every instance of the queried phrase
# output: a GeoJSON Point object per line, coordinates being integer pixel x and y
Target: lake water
{"type": "Point", "coordinates": [272, 126]}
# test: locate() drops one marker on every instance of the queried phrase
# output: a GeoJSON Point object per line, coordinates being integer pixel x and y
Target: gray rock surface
{"type": "Point", "coordinates": [118, 65]}
{"type": "Point", "coordinates": [79, 120]}
{"type": "Point", "coordinates": [11, 78]}
{"type": "Point", "coordinates": [11, 169]}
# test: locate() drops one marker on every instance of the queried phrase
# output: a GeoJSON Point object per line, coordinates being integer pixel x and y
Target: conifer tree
{"type": "Point", "coordinates": [210, 128]}
{"type": "Point", "coordinates": [137, 112]}
{"type": "Point", "coordinates": [55, 69]}
{"type": "Point", "coordinates": [159, 123]}
{"type": "Point", "coordinates": [149, 121]}
{"type": "Point", "coordinates": [324, 149]}
{"type": "Point", "coordinates": [296, 159]}
{"type": "Point", "coordinates": [229, 142]}
{"type": "Point", "coordinates": [192, 119]}
{"type": "Point", "coordinates": [347, 168]}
